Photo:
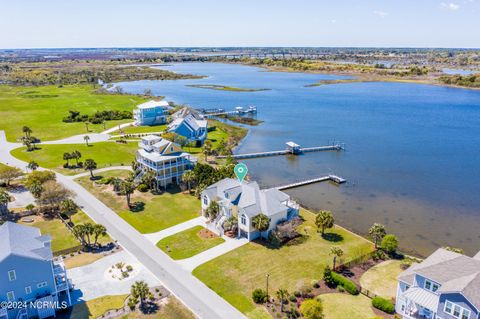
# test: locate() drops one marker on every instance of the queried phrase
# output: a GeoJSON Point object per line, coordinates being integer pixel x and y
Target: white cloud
{"type": "Point", "coordinates": [381, 14]}
{"type": "Point", "coordinates": [334, 21]}
{"type": "Point", "coordinates": [450, 6]}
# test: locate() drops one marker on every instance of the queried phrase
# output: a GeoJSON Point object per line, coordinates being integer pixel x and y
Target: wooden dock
{"type": "Point", "coordinates": [333, 178]}
{"type": "Point", "coordinates": [294, 151]}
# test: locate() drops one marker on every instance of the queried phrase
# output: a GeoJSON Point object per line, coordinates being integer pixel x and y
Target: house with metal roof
{"type": "Point", "coordinates": [244, 201]}
{"type": "Point", "coordinates": [165, 159]}
{"type": "Point", "coordinates": [190, 124]}
{"type": "Point", "coordinates": [151, 113]}
{"type": "Point", "coordinates": [30, 275]}
{"type": "Point", "coordinates": [446, 285]}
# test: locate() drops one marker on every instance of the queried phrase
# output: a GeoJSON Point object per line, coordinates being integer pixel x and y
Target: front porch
{"type": "Point", "coordinates": [419, 304]}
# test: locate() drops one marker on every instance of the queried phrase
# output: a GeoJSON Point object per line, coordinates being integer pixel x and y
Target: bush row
{"type": "Point", "coordinates": [383, 304]}
{"type": "Point", "coordinates": [333, 279]}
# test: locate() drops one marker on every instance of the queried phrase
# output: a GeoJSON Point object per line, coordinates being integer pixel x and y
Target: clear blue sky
{"type": "Point", "coordinates": [108, 23]}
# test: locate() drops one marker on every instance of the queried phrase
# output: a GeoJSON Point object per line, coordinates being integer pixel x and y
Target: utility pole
{"type": "Point", "coordinates": [268, 298]}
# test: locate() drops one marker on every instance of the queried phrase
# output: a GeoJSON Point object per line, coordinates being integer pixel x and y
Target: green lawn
{"type": "Point", "coordinates": [142, 129]}
{"type": "Point", "coordinates": [188, 243]}
{"type": "Point", "coordinates": [42, 108]}
{"type": "Point", "coordinates": [236, 274]}
{"type": "Point", "coordinates": [104, 154]}
{"type": "Point", "coordinates": [95, 308]}
{"type": "Point", "coordinates": [341, 306]}
{"type": "Point", "coordinates": [160, 211]}
{"type": "Point", "coordinates": [81, 218]}
{"type": "Point", "coordinates": [62, 238]}
{"type": "Point", "coordinates": [174, 309]}
{"type": "Point", "coordinates": [382, 278]}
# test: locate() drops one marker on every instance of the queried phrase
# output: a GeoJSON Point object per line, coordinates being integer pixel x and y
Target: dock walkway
{"type": "Point", "coordinates": [333, 178]}
{"type": "Point", "coordinates": [296, 151]}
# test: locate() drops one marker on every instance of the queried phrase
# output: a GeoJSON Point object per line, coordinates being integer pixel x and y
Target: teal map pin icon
{"type": "Point", "coordinates": [240, 171]}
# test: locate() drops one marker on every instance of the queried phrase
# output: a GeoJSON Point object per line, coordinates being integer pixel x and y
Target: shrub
{"type": "Point", "coordinates": [389, 243]}
{"type": "Point", "coordinates": [292, 298]}
{"type": "Point", "coordinates": [378, 255]}
{"type": "Point", "coordinates": [341, 289]}
{"type": "Point", "coordinates": [327, 277]}
{"type": "Point", "coordinates": [383, 304]}
{"type": "Point", "coordinates": [312, 309]}
{"type": "Point", "coordinates": [129, 268]}
{"type": "Point", "coordinates": [315, 284]}
{"type": "Point", "coordinates": [297, 293]}
{"type": "Point", "coordinates": [142, 188]}
{"type": "Point", "coordinates": [333, 279]}
{"type": "Point", "coordinates": [259, 295]}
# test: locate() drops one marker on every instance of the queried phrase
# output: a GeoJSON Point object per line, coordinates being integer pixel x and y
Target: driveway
{"type": "Point", "coordinates": [94, 280]}
{"type": "Point", "coordinates": [22, 197]}
{"type": "Point", "coordinates": [79, 139]}
{"type": "Point", "coordinates": [201, 300]}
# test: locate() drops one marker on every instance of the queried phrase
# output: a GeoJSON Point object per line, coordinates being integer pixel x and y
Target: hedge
{"type": "Point", "coordinates": [345, 283]}
{"type": "Point", "coordinates": [383, 304]}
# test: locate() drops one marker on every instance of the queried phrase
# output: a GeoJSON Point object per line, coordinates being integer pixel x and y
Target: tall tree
{"type": "Point", "coordinates": [188, 177]}
{"type": "Point", "coordinates": [128, 188]}
{"type": "Point", "coordinates": [336, 252]}
{"type": "Point", "coordinates": [90, 165]}
{"type": "Point", "coordinates": [53, 194]}
{"type": "Point", "coordinates": [9, 173]}
{"type": "Point", "coordinates": [261, 222]}
{"type": "Point", "coordinates": [98, 230]}
{"type": "Point", "coordinates": [377, 232]}
{"type": "Point", "coordinates": [66, 157]}
{"type": "Point", "coordinates": [207, 148]}
{"type": "Point", "coordinates": [69, 208]}
{"type": "Point", "coordinates": [27, 131]}
{"type": "Point", "coordinates": [86, 138]}
{"type": "Point", "coordinates": [323, 220]}
{"type": "Point", "coordinates": [140, 290]}
{"type": "Point", "coordinates": [4, 200]}
{"type": "Point", "coordinates": [76, 155]}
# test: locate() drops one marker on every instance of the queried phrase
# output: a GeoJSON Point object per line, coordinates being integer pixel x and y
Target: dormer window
{"type": "Point", "coordinates": [430, 286]}
{"type": "Point", "coordinates": [243, 220]}
{"type": "Point", "coordinates": [227, 195]}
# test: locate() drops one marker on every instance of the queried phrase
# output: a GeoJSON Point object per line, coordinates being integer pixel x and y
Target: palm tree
{"type": "Point", "coordinates": [88, 232]}
{"type": "Point", "coordinates": [377, 232]}
{"type": "Point", "coordinates": [27, 142]}
{"type": "Point", "coordinates": [69, 208]}
{"type": "Point", "coordinates": [261, 222]}
{"type": "Point", "coordinates": [67, 157]}
{"type": "Point", "coordinates": [76, 155]}
{"type": "Point", "coordinates": [86, 125]}
{"type": "Point", "coordinates": [335, 251]}
{"type": "Point", "coordinates": [207, 148]}
{"type": "Point", "coordinates": [324, 220]}
{"type": "Point", "coordinates": [140, 290]}
{"type": "Point", "coordinates": [80, 231]}
{"type": "Point", "coordinates": [282, 294]}
{"type": "Point", "coordinates": [90, 165]}
{"type": "Point", "coordinates": [33, 165]}
{"type": "Point", "coordinates": [86, 138]}
{"type": "Point", "coordinates": [98, 230]}
{"type": "Point", "coordinates": [27, 131]}
{"type": "Point", "coordinates": [4, 200]}
{"type": "Point", "coordinates": [188, 178]}
{"type": "Point", "coordinates": [128, 188]}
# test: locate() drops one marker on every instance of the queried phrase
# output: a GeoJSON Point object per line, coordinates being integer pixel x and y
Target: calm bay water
{"type": "Point", "coordinates": [412, 151]}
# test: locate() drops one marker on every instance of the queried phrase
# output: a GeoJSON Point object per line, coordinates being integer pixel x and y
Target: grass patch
{"type": "Point", "coordinates": [382, 278]}
{"type": "Point", "coordinates": [173, 309]}
{"type": "Point", "coordinates": [62, 238]}
{"type": "Point", "coordinates": [81, 260]}
{"type": "Point", "coordinates": [188, 243]}
{"type": "Point", "coordinates": [160, 211]}
{"type": "Point", "coordinates": [224, 88]}
{"type": "Point", "coordinates": [143, 129]}
{"type": "Point", "coordinates": [104, 154]}
{"type": "Point", "coordinates": [43, 108]}
{"type": "Point", "coordinates": [340, 306]}
{"type": "Point", "coordinates": [236, 274]}
{"type": "Point", "coordinates": [96, 307]}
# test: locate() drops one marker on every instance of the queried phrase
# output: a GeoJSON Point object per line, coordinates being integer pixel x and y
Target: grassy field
{"type": "Point", "coordinates": [160, 211]}
{"type": "Point", "coordinates": [188, 243]}
{"type": "Point", "coordinates": [236, 274]}
{"type": "Point", "coordinates": [174, 309]}
{"type": "Point", "coordinates": [382, 278]}
{"type": "Point", "coordinates": [96, 307]}
{"type": "Point", "coordinates": [42, 109]}
{"type": "Point", "coordinates": [62, 238]}
{"type": "Point", "coordinates": [341, 306]}
{"type": "Point", "coordinates": [81, 260]}
{"type": "Point", "coordinates": [142, 129]}
{"type": "Point", "coordinates": [225, 88]}
{"type": "Point", "coordinates": [103, 153]}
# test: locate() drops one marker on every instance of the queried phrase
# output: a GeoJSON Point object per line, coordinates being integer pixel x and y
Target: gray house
{"type": "Point", "coordinates": [29, 274]}
{"type": "Point", "coordinates": [190, 124]}
{"type": "Point", "coordinates": [446, 285]}
{"type": "Point", "coordinates": [244, 201]}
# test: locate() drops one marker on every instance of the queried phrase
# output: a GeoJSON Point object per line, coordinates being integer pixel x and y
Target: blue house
{"type": "Point", "coordinates": [446, 285]}
{"type": "Point", "coordinates": [190, 124]}
{"type": "Point", "coordinates": [151, 113]}
{"type": "Point", "coordinates": [30, 275]}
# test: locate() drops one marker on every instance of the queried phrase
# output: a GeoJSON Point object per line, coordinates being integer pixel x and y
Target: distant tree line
{"type": "Point", "coordinates": [98, 117]}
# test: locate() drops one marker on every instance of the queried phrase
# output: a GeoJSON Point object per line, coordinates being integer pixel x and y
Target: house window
{"type": "Point", "coordinates": [12, 275]}
{"type": "Point", "coordinates": [448, 307]}
{"type": "Point", "coordinates": [456, 311]}
{"type": "Point", "coordinates": [465, 314]}
{"type": "Point", "coordinates": [205, 200]}
{"type": "Point", "coordinates": [428, 285]}
{"type": "Point", "coordinates": [434, 287]}
{"type": "Point", "coordinates": [243, 220]}
{"type": "Point", "coordinates": [42, 284]}
{"type": "Point", "coordinates": [28, 290]}
{"type": "Point", "coordinates": [227, 195]}
{"type": "Point", "coordinates": [10, 296]}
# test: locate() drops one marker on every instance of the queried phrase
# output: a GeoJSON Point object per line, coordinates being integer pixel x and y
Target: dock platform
{"type": "Point", "coordinates": [333, 178]}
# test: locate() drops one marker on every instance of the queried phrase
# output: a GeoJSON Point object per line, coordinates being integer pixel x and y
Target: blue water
{"type": "Point", "coordinates": [412, 151]}
{"type": "Point", "coordinates": [459, 71]}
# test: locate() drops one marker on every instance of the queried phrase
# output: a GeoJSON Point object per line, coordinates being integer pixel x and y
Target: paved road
{"type": "Point", "coordinates": [79, 139]}
{"type": "Point", "coordinates": [204, 302]}
{"type": "Point", "coordinates": [116, 128]}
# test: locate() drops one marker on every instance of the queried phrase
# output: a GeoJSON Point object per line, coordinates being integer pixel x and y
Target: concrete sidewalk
{"type": "Point", "coordinates": [154, 238]}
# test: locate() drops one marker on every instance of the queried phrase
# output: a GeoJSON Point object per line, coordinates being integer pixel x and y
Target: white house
{"type": "Point", "coordinates": [151, 113]}
{"type": "Point", "coordinates": [246, 200]}
{"type": "Point", "coordinates": [165, 158]}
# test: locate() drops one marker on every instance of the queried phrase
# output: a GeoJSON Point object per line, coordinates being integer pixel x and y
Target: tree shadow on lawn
{"type": "Point", "coordinates": [137, 207]}
{"type": "Point", "coordinates": [333, 237]}
{"type": "Point", "coordinates": [149, 307]}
